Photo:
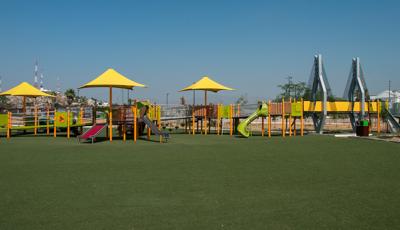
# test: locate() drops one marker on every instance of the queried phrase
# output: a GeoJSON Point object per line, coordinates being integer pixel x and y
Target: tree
{"type": "Point", "coordinates": [183, 101]}
{"type": "Point", "coordinates": [292, 90]}
{"type": "Point", "coordinates": [4, 102]}
{"type": "Point", "coordinates": [242, 100]}
{"type": "Point", "coordinates": [71, 96]}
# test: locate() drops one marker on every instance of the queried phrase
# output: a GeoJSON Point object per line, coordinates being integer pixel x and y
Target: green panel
{"type": "Point", "coordinates": [296, 109]}
{"type": "Point", "coordinates": [225, 111]}
{"type": "Point", "coordinates": [3, 120]}
{"type": "Point", "coordinates": [61, 119]}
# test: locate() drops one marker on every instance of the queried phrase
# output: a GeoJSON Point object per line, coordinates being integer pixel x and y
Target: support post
{"type": "Point", "coordinates": [269, 118]}
{"type": "Point", "coordinates": [230, 120]}
{"type": "Point", "coordinates": [134, 110]}
{"type": "Point", "coordinates": [193, 119]}
{"type": "Point", "coordinates": [290, 118]}
{"type": "Point", "coordinates": [283, 118]}
{"type": "Point", "coordinates": [54, 123]}
{"type": "Point", "coordinates": [379, 119]}
{"type": "Point", "coordinates": [302, 118]}
{"type": "Point", "coordinates": [35, 120]}
{"type": "Point", "coordinates": [9, 124]}
{"type": "Point", "coordinates": [110, 118]}
{"type": "Point", "coordinates": [68, 124]}
{"type": "Point", "coordinates": [48, 121]}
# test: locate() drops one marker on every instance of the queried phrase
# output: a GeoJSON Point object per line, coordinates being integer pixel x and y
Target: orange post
{"type": "Point", "coordinates": [54, 124]}
{"type": "Point", "coordinates": [205, 120]}
{"type": "Point", "coordinates": [283, 118]}
{"type": "Point", "coordinates": [134, 111]}
{"type": "Point", "coordinates": [231, 120]}
{"type": "Point", "coordinates": [110, 132]}
{"type": "Point", "coordinates": [290, 119]}
{"type": "Point", "coordinates": [238, 110]}
{"type": "Point", "coordinates": [9, 115]}
{"type": "Point", "coordinates": [378, 108]}
{"type": "Point", "coordinates": [193, 119]}
{"type": "Point", "coordinates": [48, 121]}
{"type": "Point", "coordinates": [81, 116]}
{"type": "Point", "coordinates": [68, 124]}
{"type": "Point", "coordinates": [269, 118]}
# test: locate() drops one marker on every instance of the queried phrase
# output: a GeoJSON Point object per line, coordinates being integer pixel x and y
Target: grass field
{"type": "Point", "coordinates": [200, 182]}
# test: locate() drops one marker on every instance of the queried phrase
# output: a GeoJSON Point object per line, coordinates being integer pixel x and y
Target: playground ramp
{"type": "Point", "coordinates": [392, 122]}
{"type": "Point", "coordinates": [92, 133]}
{"type": "Point", "coordinates": [154, 129]}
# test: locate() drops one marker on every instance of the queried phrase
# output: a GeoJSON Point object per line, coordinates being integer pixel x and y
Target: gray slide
{"type": "Point", "coordinates": [393, 124]}
{"type": "Point", "coordinates": [154, 128]}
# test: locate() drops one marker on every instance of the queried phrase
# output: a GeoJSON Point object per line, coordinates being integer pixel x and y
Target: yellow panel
{"type": "Point", "coordinates": [339, 106]}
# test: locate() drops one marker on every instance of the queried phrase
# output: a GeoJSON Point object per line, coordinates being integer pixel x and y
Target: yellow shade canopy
{"type": "Point", "coordinates": [205, 83]}
{"type": "Point", "coordinates": [25, 89]}
{"type": "Point", "coordinates": [111, 78]}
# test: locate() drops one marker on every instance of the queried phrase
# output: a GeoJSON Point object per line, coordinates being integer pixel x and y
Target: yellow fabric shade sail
{"type": "Point", "coordinates": [25, 89]}
{"type": "Point", "coordinates": [205, 83]}
{"type": "Point", "coordinates": [111, 78]}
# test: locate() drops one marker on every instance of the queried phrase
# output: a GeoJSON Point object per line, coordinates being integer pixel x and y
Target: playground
{"type": "Point", "coordinates": [143, 165]}
{"type": "Point", "coordinates": [199, 182]}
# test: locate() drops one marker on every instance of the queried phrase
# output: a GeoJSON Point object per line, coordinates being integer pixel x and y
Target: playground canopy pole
{"type": "Point", "coordinates": [110, 115]}
{"type": "Point", "coordinates": [205, 112]}
{"type": "Point", "coordinates": [193, 118]}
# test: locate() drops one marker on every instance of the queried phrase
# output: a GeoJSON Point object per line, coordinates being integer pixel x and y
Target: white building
{"type": "Point", "coordinates": [384, 96]}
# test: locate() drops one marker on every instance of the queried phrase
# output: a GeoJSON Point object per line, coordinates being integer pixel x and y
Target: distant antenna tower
{"type": "Point", "coordinates": [41, 81]}
{"type": "Point", "coordinates": [58, 85]}
{"type": "Point", "coordinates": [35, 79]}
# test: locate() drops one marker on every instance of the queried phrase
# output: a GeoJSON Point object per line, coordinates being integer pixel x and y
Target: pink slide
{"type": "Point", "coordinates": [92, 132]}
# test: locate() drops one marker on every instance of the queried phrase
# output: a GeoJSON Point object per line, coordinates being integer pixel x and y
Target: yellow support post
{"type": "Point", "coordinates": [283, 118]}
{"type": "Point", "coordinates": [238, 110]}
{"type": "Point", "coordinates": [54, 124]}
{"type": "Point", "coordinates": [158, 116]}
{"type": "Point", "coordinates": [48, 121]}
{"type": "Point", "coordinates": [302, 118]}
{"type": "Point", "coordinates": [269, 118]}
{"type": "Point", "coordinates": [68, 124]}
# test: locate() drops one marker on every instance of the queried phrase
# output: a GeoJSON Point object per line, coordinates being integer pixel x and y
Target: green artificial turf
{"type": "Point", "coordinates": [200, 182]}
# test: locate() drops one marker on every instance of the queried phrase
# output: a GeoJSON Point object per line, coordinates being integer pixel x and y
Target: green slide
{"type": "Point", "coordinates": [262, 111]}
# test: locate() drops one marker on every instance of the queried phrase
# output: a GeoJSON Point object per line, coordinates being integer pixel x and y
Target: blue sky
{"type": "Point", "coordinates": [248, 45]}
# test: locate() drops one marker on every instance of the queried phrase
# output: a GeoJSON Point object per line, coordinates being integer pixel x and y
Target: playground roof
{"type": "Point", "coordinates": [25, 89]}
{"type": "Point", "coordinates": [111, 78]}
{"type": "Point", "coordinates": [205, 83]}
